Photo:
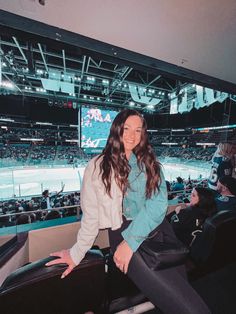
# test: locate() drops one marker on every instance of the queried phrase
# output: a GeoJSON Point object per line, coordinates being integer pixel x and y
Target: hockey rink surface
{"type": "Point", "coordinates": [32, 181]}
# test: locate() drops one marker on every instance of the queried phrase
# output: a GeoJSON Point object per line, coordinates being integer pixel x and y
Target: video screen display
{"type": "Point", "coordinates": [95, 126]}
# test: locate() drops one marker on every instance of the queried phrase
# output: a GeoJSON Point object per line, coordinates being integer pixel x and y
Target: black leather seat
{"type": "Point", "coordinates": [214, 248]}
{"type": "Point", "coordinates": [35, 288]}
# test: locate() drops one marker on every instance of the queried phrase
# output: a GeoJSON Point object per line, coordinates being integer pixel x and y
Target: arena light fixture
{"type": "Point", "coordinates": [206, 144]}
{"type": "Point", "coordinates": [7, 120]}
{"type": "Point", "coordinates": [105, 82]}
{"type": "Point", "coordinates": [72, 141]}
{"type": "Point", "coordinates": [150, 107]}
{"type": "Point", "coordinates": [32, 139]}
{"type": "Point", "coordinates": [91, 78]}
{"type": "Point", "coordinates": [216, 127]}
{"type": "Point", "coordinates": [43, 123]}
{"type": "Point", "coordinates": [7, 84]}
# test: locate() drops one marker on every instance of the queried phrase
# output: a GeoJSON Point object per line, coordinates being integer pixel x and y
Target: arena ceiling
{"type": "Point", "coordinates": [43, 68]}
{"type": "Point", "coordinates": [43, 62]}
{"type": "Point", "coordinates": [59, 72]}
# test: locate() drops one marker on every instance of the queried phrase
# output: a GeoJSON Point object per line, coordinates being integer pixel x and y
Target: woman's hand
{"type": "Point", "coordinates": [123, 256]}
{"type": "Point", "coordinates": [64, 258]}
{"type": "Point", "coordinates": [178, 209]}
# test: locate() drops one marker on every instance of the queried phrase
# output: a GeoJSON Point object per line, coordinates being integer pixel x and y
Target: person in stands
{"type": "Point", "coordinates": [179, 185]}
{"type": "Point", "coordinates": [190, 219]}
{"type": "Point", "coordinates": [222, 164]}
{"type": "Point", "coordinates": [48, 199]}
{"type": "Point", "coordinates": [226, 187]}
{"type": "Point", "coordinates": [124, 190]}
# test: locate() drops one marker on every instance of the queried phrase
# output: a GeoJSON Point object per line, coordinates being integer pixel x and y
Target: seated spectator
{"type": "Point", "coordinates": [77, 198]}
{"type": "Point", "coordinates": [168, 186]}
{"type": "Point", "coordinates": [5, 221]}
{"type": "Point", "coordinates": [189, 184]}
{"type": "Point", "coordinates": [39, 215]}
{"type": "Point", "coordinates": [226, 186]}
{"type": "Point", "coordinates": [179, 185]}
{"type": "Point", "coordinates": [54, 214]}
{"type": "Point", "coordinates": [70, 212]}
{"type": "Point", "coordinates": [45, 203]}
{"type": "Point", "coordinates": [186, 221]}
{"type": "Point", "coordinates": [23, 219]}
{"type": "Point", "coordinates": [33, 217]}
{"type": "Point", "coordinates": [29, 205]}
{"type": "Point", "coordinates": [222, 164]}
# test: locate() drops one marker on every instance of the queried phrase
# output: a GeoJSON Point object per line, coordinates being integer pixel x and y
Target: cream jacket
{"type": "Point", "coordinates": [100, 211]}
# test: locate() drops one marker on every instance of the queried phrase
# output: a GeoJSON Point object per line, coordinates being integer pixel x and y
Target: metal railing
{"type": "Point", "coordinates": [12, 225]}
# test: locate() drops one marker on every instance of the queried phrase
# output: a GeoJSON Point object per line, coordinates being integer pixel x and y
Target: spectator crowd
{"type": "Point", "coordinates": [21, 211]}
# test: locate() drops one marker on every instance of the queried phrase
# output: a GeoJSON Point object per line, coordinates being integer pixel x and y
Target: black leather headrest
{"type": "Point", "coordinates": [216, 230]}
{"type": "Point", "coordinates": [221, 217]}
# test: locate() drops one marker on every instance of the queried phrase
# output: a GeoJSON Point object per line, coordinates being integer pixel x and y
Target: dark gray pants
{"type": "Point", "coordinates": [168, 289]}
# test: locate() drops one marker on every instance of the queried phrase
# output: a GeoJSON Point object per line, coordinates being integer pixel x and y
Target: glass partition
{"type": "Point", "coordinates": [32, 181]}
{"type": "Point", "coordinates": [22, 206]}
{"type": "Point", "coordinates": [14, 223]}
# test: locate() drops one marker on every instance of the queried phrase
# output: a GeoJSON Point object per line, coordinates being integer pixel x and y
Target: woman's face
{"type": "Point", "coordinates": [132, 133]}
{"type": "Point", "coordinates": [194, 197]}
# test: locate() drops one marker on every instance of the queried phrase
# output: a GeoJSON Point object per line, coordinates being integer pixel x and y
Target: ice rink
{"type": "Point", "coordinates": [32, 180]}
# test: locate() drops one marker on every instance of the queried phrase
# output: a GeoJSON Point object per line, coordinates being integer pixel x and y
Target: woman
{"type": "Point", "coordinates": [124, 190]}
{"type": "Point", "coordinates": [222, 164]}
{"type": "Point", "coordinates": [188, 220]}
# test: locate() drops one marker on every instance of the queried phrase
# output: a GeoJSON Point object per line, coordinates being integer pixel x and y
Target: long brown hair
{"type": "Point", "coordinates": [226, 149]}
{"type": "Point", "coordinates": [114, 161]}
{"type": "Point", "coordinates": [206, 201]}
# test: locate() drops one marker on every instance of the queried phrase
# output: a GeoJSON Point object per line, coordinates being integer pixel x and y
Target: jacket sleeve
{"type": "Point", "coordinates": [148, 218]}
{"type": "Point", "coordinates": [89, 222]}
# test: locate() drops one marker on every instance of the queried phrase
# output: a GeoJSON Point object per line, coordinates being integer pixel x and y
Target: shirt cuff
{"type": "Point", "coordinates": [132, 241]}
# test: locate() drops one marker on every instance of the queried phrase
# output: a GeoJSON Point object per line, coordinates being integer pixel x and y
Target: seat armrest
{"type": "Point", "coordinates": [37, 270]}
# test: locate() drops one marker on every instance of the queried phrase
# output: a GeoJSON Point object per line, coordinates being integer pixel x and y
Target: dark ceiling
{"type": "Point", "coordinates": [77, 74]}
{"type": "Point", "coordinates": [71, 68]}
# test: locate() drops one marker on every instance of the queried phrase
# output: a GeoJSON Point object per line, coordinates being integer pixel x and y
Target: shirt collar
{"type": "Point", "coordinates": [133, 159]}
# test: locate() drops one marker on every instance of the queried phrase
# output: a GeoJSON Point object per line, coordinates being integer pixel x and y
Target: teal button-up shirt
{"type": "Point", "coordinates": [146, 214]}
